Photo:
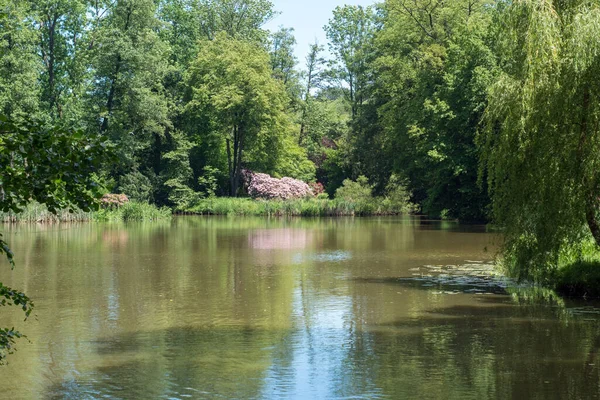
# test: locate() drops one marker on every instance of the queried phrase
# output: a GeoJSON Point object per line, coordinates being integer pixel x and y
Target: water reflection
{"type": "Point", "coordinates": [258, 308]}
{"type": "Point", "coordinates": [273, 239]}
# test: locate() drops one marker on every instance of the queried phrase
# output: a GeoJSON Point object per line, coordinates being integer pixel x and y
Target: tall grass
{"type": "Point", "coordinates": [36, 212]}
{"type": "Point", "coordinates": [132, 211]}
{"type": "Point", "coordinates": [311, 207]}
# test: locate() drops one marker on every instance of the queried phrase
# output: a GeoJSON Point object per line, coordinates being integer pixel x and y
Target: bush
{"type": "Point", "coordinates": [578, 272]}
{"type": "Point", "coordinates": [263, 186]}
{"type": "Point", "coordinates": [136, 186]}
{"type": "Point", "coordinates": [397, 197]}
{"type": "Point", "coordinates": [317, 188]}
{"type": "Point", "coordinates": [358, 191]}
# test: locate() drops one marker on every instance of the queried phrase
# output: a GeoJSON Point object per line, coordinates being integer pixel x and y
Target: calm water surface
{"type": "Point", "coordinates": [216, 308]}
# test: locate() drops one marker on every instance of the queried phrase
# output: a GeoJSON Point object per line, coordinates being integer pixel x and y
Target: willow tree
{"type": "Point", "coordinates": [542, 143]}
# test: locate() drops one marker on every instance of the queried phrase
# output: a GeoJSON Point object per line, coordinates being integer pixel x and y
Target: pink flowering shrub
{"type": "Point", "coordinates": [111, 200]}
{"type": "Point", "coordinates": [263, 186]}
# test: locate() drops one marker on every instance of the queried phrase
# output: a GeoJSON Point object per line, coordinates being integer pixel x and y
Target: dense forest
{"type": "Point", "coordinates": [191, 92]}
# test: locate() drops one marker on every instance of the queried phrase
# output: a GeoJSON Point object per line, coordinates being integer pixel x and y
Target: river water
{"type": "Point", "coordinates": [230, 308]}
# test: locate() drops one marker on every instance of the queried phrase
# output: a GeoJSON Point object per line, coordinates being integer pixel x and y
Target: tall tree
{"type": "Point", "coordinates": [314, 75]}
{"type": "Point", "coordinates": [542, 146]}
{"type": "Point", "coordinates": [19, 66]}
{"type": "Point", "coordinates": [350, 33]}
{"type": "Point", "coordinates": [435, 63]}
{"type": "Point", "coordinates": [128, 102]}
{"type": "Point", "coordinates": [61, 25]}
{"type": "Point", "coordinates": [232, 94]}
{"type": "Point", "coordinates": [283, 61]}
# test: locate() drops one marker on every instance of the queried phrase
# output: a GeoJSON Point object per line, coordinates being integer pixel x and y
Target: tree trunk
{"type": "Point", "coordinates": [111, 95]}
{"type": "Point", "coordinates": [230, 167]}
{"type": "Point", "coordinates": [591, 212]}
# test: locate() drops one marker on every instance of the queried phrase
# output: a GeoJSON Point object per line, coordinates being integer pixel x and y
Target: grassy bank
{"type": "Point", "coordinates": [301, 207]}
{"type": "Point", "coordinates": [132, 211]}
{"type": "Point", "coordinates": [579, 273]}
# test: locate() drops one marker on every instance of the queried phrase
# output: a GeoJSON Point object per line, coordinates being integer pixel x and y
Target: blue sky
{"type": "Point", "coordinates": [307, 17]}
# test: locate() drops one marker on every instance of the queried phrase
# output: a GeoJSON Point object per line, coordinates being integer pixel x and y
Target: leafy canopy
{"type": "Point", "coordinates": [542, 143]}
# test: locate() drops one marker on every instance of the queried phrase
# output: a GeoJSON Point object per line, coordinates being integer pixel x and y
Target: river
{"type": "Point", "coordinates": [243, 308]}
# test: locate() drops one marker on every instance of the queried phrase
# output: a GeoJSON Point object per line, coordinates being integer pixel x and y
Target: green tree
{"type": "Point", "coordinates": [542, 144]}
{"type": "Point", "coordinates": [232, 96]}
{"type": "Point", "coordinates": [283, 62]}
{"type": "Point", "coordinates": [62, 28]}
{"type": "Point", "coordinates": [241, 19]}
{"type": "Point", "coordinates": [19, 89]}
{"type": "Point", "coordinates": [51, 166]}
{"type": "Point", "coordinates": [314, 75]}
{"type": "Point", "coordinates": [350, 33]}
{"type": "Point", "coordinates": [127, 101]}
{"type": "Point", "coordinates": [435, 63]}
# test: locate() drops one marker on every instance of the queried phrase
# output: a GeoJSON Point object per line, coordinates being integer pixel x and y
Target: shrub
{"type": "Point", "coordinates": [263, 186]}
{"type": "Point", "coordinates": [397, 196]}
{"type": "Point", "coordinates": [136, 186]}
{"type": "Point", "coordinates": [358, 191]}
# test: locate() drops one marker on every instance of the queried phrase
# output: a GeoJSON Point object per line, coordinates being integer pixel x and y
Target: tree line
{"type": "Point", "coordinates": [190, 92]}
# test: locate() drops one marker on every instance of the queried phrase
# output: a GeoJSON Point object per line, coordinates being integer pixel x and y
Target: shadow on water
{"type": "Point", "coordinates": [477, 278]}
{"type": "Point", "coordinates": [492, 350]}
{"type": "Point", "coordinates": [177, 363]}
{"type": "Point", "coordinates": [518, 345]}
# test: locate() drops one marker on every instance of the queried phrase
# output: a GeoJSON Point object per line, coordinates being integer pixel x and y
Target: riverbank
{"type": "Point", "coordinates": [311, 207]}
{"type": "Point", "coordinates": [131, 211]}
{"type": "Point", "coordinates": [579, 276]}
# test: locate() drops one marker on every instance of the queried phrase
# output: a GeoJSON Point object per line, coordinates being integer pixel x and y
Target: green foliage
{"type": "Point", "coordinates": [294, 162]}
{"type": "Point", "coordinates": [358, 191]}
{"type": "Point", "coordinates": [208, 181]}
{"type": "Point", "coordinates": [53, 166]}
{"type": "Point", "coordinates": [232, 93]}
{"type": "Point", "coordinates": [283, 61]}
{"type": "Point", "coordinates": [19, 92]}
{"type": "Point", "coordinates": [133, 211]}
{"type": "Point", "coordinates": [350, 33]}
{"type": "Point", "coordinates": [136, 186]}
{"type": "Point", "coordinates": [49, 165]}
{"type": "Point", "coordinates": [397, 196]}
{"type": "Point", "coordinates": [435, 65]}
{"type": "Point", "coordinates": [541, 149]}
{"type": "Point", "coordinates": [314, 207]}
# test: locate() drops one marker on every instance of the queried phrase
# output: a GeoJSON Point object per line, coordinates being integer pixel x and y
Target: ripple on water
{"type": "Point", "coordinates": [330, 256]}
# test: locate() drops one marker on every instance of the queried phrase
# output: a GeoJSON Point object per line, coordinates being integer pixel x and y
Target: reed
{"type": "Point", "coordinates": [310, 207]}
{"type": "Point", "coordinates": [131, 211]}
